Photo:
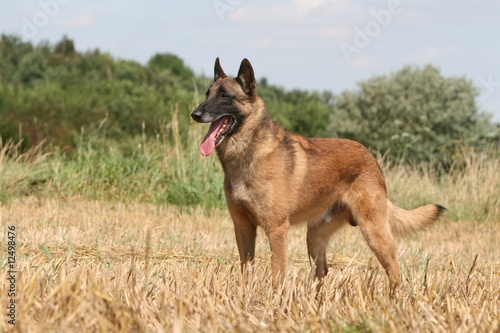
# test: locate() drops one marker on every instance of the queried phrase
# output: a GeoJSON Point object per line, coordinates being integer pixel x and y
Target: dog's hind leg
{"type": "Point", "coordinates": [375, 228]}
{"type": "Point", "coordinates": [379, 238]}
{"type": "Point", "coordinates": [318, 237]}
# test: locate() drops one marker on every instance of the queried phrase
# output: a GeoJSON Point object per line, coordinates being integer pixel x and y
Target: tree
{"type": "Point", "coordinates": [32, 67]}
{"type": "Point", "coordinates": [12, 50]}
{"type": "Point", "coordinates": [298, 111]}
{"type": "Point", "coordinates": [167, 61]}
{"type": "Point", "coordinates": [415, 114]}
{"type": "Point", "coordinates": [65, 47]}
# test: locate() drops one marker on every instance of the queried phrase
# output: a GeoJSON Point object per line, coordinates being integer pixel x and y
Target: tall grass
{"type": "Point", "coordinates": [167, 169]}
{"type": "Point", "coordinates": [21, 172]}
{"type": "Point", "coordinates": [470, 191]}
{"type": "Point", "coordinates": [160, 169]}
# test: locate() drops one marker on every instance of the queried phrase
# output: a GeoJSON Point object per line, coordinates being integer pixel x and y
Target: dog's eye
{"type": "Point", "coordinates": [225, 95]}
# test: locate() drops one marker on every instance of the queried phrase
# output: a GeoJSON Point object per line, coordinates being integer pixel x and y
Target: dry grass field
{"type": "Point", "coordinates": [95, 266]}
{"type": "Point", "coordinates": [99, 249]}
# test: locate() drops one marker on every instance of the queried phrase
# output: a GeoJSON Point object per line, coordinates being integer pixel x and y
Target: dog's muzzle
{"type": "Point", "coordinates": [197, 115]}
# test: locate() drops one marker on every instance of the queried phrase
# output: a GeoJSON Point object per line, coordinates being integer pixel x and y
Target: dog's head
{"type": "Point", "coordinates": [225, 105]}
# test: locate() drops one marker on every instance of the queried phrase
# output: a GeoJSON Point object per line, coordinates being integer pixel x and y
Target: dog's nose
{"type": "Point", "coordinates": [196, 115]}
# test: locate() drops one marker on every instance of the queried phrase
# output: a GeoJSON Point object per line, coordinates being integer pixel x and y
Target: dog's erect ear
{"type": "Point", "coordinates": [246, 77]}
{"type": "Point", "coordinates": [218, 71]}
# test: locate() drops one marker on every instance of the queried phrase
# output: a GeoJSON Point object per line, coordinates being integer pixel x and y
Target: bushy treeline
{"type": "Point", "coordinates": [53, 92]}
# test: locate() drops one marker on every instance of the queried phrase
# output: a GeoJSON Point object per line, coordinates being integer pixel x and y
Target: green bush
{"type": "Point", "coordinates": [415, 115]}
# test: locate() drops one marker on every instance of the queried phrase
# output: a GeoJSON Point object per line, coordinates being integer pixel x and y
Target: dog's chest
{"type": "Point", "coordinates": [252, 192]}
{"type": "Point", "coordinates": [241, 188]}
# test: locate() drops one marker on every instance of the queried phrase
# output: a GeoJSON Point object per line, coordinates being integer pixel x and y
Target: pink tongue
{"type": "Point", "coordinates": [208, 144]}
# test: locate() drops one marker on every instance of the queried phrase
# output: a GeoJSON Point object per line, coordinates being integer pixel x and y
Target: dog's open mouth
{"type": "Point", "coordinates": [216, 133]}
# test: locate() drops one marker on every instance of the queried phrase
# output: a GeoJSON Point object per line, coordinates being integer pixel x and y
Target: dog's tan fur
{"type": "Point", "coordinates": [274, 179]}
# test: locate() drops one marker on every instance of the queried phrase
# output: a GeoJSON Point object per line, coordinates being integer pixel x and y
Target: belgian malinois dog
{"type": "Point", "coordinates": [274, 179]}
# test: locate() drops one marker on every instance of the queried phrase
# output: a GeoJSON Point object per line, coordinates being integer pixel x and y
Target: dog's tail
{"type": "Point", "coordinates": [405, 221]}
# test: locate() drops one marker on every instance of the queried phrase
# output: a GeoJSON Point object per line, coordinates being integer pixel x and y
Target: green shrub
{"type": "Point", "coordinates": [415, 115]}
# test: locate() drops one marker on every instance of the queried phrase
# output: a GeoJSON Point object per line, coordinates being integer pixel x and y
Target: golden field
{"type": "Point", "coordinates": [95, 266]}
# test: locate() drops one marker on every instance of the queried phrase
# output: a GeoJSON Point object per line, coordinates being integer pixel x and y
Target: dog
{"type": "Point", "coordinates": [274, 179]}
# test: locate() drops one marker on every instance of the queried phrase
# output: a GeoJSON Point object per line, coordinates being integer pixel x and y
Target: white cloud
{"type": "Point", "coordinates": [363, 61]}
{"type": "Point", "coordinates": [296, 24]}
{"type": "Point", "coordinates": [292, 12]}
{"type": "Point", "coordinates": [85, 20]}
{"type": "Point", "coordinates": [424, 56]}
{"type": "Point", "coordinates": [335, 32]}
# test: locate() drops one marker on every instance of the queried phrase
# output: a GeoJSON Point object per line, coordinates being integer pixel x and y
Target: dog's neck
{"type": "Point", "coordinates": [258, 128]}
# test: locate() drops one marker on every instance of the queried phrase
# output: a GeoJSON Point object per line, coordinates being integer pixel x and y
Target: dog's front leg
{"type": "Point", "coordinates": [278, 240]}
{"type": "Point", "coordinates": [246, 233]}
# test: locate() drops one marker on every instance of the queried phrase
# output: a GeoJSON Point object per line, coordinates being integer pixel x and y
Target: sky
{"type": "Point", "coordinates": [306, 44]}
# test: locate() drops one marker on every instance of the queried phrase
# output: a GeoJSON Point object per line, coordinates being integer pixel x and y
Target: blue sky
{"type": "Point", "coordinates": [315, 44]}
